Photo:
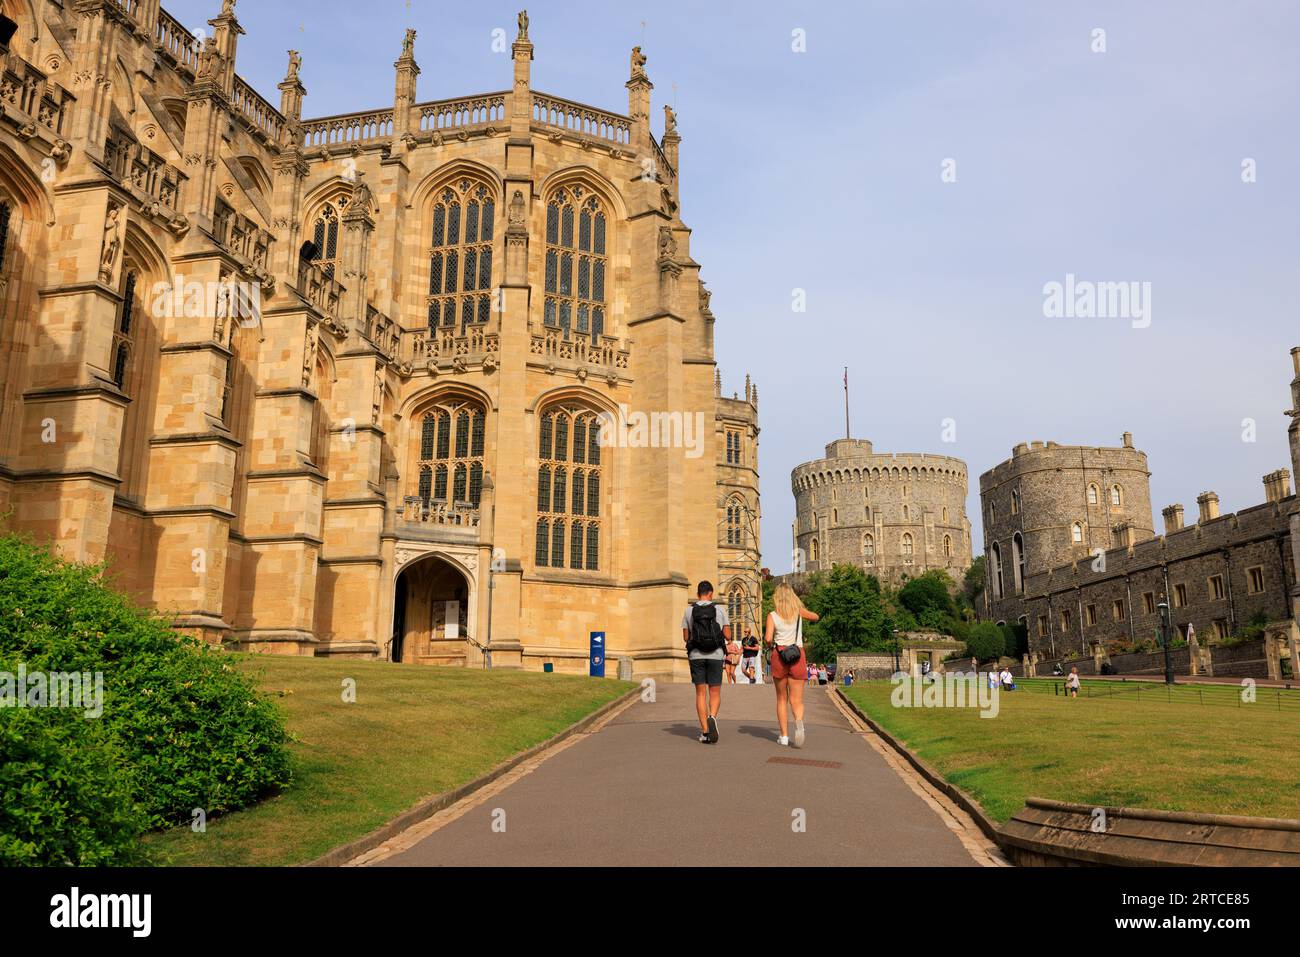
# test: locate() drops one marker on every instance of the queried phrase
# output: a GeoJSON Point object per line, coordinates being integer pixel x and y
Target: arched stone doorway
{"type": "Point", "coordinates": [432, 617]}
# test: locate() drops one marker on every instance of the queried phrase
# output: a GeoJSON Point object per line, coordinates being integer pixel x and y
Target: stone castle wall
{"type": "Point", "coordinates": [896, 515]}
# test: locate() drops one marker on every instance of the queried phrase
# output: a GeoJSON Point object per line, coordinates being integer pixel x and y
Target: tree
{"type": "Point", "coordinates": [986, 640]}
{"type": "Point", "coordinates": [852, 612]}
{"type": "Point", "coordinates": [972, 585]}
{"type": "Point", "coordinates": [928, 597]}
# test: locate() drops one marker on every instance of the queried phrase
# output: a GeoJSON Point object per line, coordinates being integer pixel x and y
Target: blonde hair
{"type": "Point", "coordinates": [787, 603]}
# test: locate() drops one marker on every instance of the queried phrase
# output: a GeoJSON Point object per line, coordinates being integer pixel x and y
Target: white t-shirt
{"type": "Point", "coordinates": [786, 633]}
{"type": "Point", "coordinates": [1005, 676]}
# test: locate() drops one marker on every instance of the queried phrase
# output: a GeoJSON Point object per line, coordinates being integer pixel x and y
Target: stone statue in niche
{"type": "Point", "coordinates": [517, 212]}
{"type": "Point", "coordinates": [112, 243]}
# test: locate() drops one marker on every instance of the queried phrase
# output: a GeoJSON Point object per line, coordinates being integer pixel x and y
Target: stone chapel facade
{"type": "Point", "coordinates": [375, 384]}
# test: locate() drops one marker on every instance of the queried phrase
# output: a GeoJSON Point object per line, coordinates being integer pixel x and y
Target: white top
{"type": "Point", "coordinates": [786, 633]}
{"type": "Point", "coordinates": [1006, 676]}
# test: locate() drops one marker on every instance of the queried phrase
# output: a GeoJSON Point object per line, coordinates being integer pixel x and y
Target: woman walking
{"type": "Point", "coordinates": [788, 664]}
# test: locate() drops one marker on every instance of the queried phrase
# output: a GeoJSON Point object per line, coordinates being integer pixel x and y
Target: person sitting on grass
{"type": "Point", "coordinates": [1008, 682]}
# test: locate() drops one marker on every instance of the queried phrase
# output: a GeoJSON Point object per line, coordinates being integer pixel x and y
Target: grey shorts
{"type": "Point", "coordinates": [706, 671]}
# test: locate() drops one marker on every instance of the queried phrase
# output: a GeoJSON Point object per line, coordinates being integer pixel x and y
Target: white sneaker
{"type": "Point", "coordinates": [783, 741]}
{"type": "Point", "coordinates": [798, 734]}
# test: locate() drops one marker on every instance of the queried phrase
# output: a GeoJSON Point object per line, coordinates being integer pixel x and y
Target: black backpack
{"type": "Point", "coordinates": [706, 633]}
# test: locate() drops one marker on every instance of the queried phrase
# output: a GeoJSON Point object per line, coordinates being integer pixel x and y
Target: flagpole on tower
{"type": "Point", "coordinates": [847, 433]}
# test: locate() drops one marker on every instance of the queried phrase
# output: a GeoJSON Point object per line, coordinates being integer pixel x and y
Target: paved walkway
{"type": "Point", "coordinates": [642, 790]}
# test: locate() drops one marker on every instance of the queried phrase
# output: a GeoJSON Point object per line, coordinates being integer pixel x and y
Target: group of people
{"type": "Point", "coordinates": [712, 654]}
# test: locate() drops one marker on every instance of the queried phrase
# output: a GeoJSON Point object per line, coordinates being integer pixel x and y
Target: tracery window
{"type": "Point", "coordinates": [1116, 496]}
{"type": "Point", "coordinates": [735, 606]}
{"type": "Point", "coordinates": [124, 331]}
{"type": "Point", "coordinates": [6, 211]}
{"type": "Point", "coordinates": [733, 448]}
{"type": "Point", "coordinates": [1092, 495]}
{"type": "Point", "coordinates": [814, 549]}
{"type": "Point", "coordinates": [869, 548]}
{"type": "Point", "coordinates": [450, 455]}
{"type": "Point", "coordinates": [460, 256]}
{"type": "Point", "coordinates": [947, 546]}
{"type": "Point", "coordinates": [907, 546]}
{"type": "Point", "coordinates": [326, 235]}
{"type": "Point", "coordinates": [735, 523]}
{"type": "Point", "coordinates": [569, 478]}
{"type": "Point", "coordinates": [576, 263]}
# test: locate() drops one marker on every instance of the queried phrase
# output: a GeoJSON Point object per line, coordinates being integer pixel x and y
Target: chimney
{"type": "Point", "coordinates": [1128, 440]}
{"type": "Point", "coordinates": [1277, 485]}
{"type": "Point", "coordinates": [1173, 518]}
{"type": "Point", "coordinates": [1125, 534]}
{"type": "Point", "coordinates": [1209, 503]}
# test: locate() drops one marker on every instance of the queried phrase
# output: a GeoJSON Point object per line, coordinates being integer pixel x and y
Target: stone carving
{"type": "Point", "coordinates": [227, 8]}
{"type": "Point", "coordinates": [670, 120]}
{"type": "Point", "coordinates": [667, 244]}
{"type": "Point", "coordinates": [638, 63]}
{"type": "Point", "coordinates": [309, 355]}
{"type": "Point", "coordinates": [523, 24]}
{"type": "Point", "coordinates": [362, 198]}
{"type": "Point", "coordinates": [408, 44]}
{"type": "Point", "coordinates": [223, 309]}
{"type": "Point", "coordinates": [295, 62]}
{"type": "Point", "coordinates": [518, 212]}
{"type": "Point", "coordinates": [112, 243]}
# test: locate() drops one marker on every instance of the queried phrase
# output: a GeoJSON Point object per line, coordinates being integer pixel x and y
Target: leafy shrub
{"type": "Point", "coordinates": [181, 728]}
{"type": "Point", "coordinates": [986, 641]}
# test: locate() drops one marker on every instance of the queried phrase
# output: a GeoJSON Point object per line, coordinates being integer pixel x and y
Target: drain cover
{"type": "Point", "coordinates": [804, 762]}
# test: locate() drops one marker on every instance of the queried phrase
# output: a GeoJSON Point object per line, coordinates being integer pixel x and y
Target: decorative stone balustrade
{"type": "Point", "coordinates": [383, 332]}
{"type": "Point", "coordinates": [368, 127]}
{"type": "Point", "coordinates": [27, 91]}
{"type": "Point", "coordinates": [322, 291]}
{"type": "Point", "coordinates": [433, 512]}
{"type": "Point", "coordinates": [576, 352]}
{"type": "Point", "coordinates": [145, 171]}
{"type": "Point", "coordinates": [557, 113]}
{"type": "Point", "coordinates": [461, 113]}
{"type": "Point", "coordinates": [176, 43]}
{"type": "Point", "coordinates": [242, 237]}
{"type": "Point", "coordinates": [261, 115]}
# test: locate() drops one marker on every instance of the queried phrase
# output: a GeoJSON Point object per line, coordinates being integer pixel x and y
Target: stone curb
{"type": "Point", "coordinates": [960, 797]}
{"type": "Point", "coordinates": [431, 806]}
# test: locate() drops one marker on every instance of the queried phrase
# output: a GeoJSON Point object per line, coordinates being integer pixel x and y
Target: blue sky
{"type": "Point", "coordinates": [821, 171]}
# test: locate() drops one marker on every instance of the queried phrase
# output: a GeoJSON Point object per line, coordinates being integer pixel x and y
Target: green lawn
{"type": "Point", "coordinates": [1134, 749]}
{"type": "Point", "coordinates": [412, 733]}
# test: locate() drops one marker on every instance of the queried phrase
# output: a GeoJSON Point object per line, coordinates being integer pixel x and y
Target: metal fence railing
{"type": "Point", "coordinates": [1221, 695]}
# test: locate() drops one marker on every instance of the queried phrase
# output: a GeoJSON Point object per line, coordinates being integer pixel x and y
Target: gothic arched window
{"type": "Point", "coordinates": [569, 474]}
{"type": "Point", "coordinates": [735, 523]}
{"type": "Point", "coordinates": [124, 332]}
{"type": "Point", "coordinates": [907, 546]}
{"type": "Point", "coordinates": [1092, 495]}
{"type": "Point", "coordinates": [576, 263]}
{"type": "Point", "coordinates": [947, 546]}
{"type": "Point", "coordinates": [1018, 561]}
{"type": "Point", "coordinates": [869, 548]}
{"type": "Point", "coordinates": [1116, 496]}
{"type": "Point", "coordinates": [995, 557]}
{"type": "Point", "coordinates": [460, 256]}
{"type": "Point", "coordinates": [325, 235]}
{"type": "Point", "coordinates": [450, 455]}
{"type": "Point", "coordinates": [1076, 533]}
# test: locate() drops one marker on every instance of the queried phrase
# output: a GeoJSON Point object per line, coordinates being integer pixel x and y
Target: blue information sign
{"type": "Point", "coordinates": [598, 654]}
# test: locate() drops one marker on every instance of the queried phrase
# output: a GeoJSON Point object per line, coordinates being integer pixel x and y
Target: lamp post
{"type": "Point", "coordinates": [1164, 639]}
{"type": "Point", "coordinates": [897, 666]}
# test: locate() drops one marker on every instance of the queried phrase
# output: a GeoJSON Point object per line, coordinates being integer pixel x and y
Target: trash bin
{"type": "Point", "coordinates": [548, 667]}
{"type": "Point", "coordinates": [625, 669]}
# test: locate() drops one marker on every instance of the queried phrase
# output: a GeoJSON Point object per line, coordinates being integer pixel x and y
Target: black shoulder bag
{"type": "Point", "coordinates": [790, 653]}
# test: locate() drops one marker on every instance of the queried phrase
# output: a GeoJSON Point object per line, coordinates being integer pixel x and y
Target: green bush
{"type": "Point", "coordinates": [181, 729]}
{"type": "Point", "coordinates": [986, 641]}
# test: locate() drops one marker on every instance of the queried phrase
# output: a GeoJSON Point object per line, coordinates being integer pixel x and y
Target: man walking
{"type": "Point", "coordinates": [706, 629]}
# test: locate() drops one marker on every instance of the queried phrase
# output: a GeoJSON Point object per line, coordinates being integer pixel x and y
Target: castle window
{"type": "Point", "coordinates": [735, 524]}
{"type": "Point", "coordinates": [1076, 533]}
{"type": "Point", "coordinates": [5, 212]}
{"type": "Point", "coordinates": [907, 547]}
{"type": "Point", "coordinates": [869, 549]}
{"type": "Point", "coordinates": [733, 448]}
{"type": "Point", "coordinates": [1215, 587]}
{"type": "Point", "coordinates": [576, 266]}
{"type": "Point", "coordinates": [814, 549]}
{"type": "Point", "coordinates": [1042, 626]}
{"type": "Point", "coordinates": [1149, 602]}
{"type": "Point", "coordinates": [995, 559]}
{"type": "Point", "coordinates": [1093, 495]}
{"type": "Point", "coordinates": [905, 513]}
{"type": "Point", "coordinates": [569, 456]}
{"type": "Point", "coordinates": [1255, 580]}
{"type": "Point", "coordinates": [1090, 613]}
{"type": "Point", "coordinates": [947, 546]}
{"type": "Point", "coordinates": [735, 605]}
{"type": "Point", "coordinates": [124, 333]}
{"type": "Point", "coordinates": [1015, 501]}
{"type": "Point", "coordinates": [1116, 496]}
{"type": "Point", "coordinates": [945, 515]}
{"type": "Point", "coordinates": [835, 516]}
{"type": "Point", "coordinates": [866, 513]}
{"type": "Point", "coordinates": [1180, 596]}
{"type": "Point", "coordinates": [460, 257]}
{"type": "Point", "coordinates": [1065, 619]}
{"type": "Point", "coordinates": [325, 235]}
{"type": "Point", "coordinates": [450, 453]}
{"type": "Point", "coordinates": [1117, 609]}
{"type": "Point", "coordinates": [1018, 561]}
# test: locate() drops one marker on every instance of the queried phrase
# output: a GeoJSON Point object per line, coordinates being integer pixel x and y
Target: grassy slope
{"type": "Point", "coordinates": [412, 733]}
{"type": "Point", "coordinates": [1117, 751]}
